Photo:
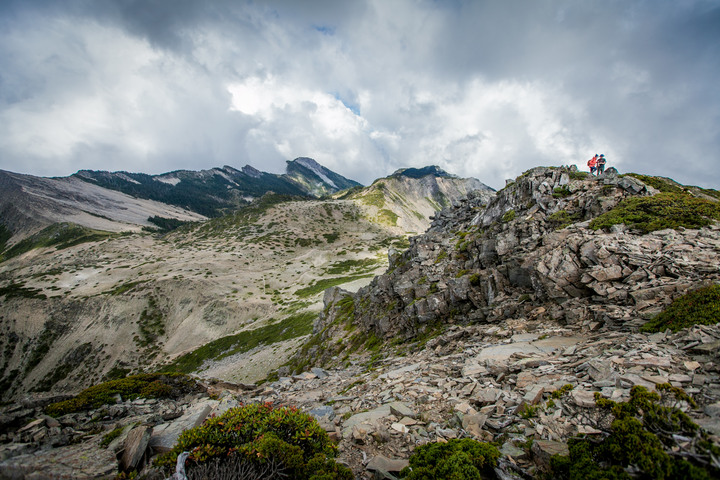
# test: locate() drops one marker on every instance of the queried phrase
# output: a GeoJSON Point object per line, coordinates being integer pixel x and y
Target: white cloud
{"type": "Point", "coordinates": [480, 88]}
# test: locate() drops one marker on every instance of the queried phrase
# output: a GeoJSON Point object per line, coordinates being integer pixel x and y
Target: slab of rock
{"type": "Point", "coordinates": [401, 409]}
{"type": "Point", "coordinates": [474, 423]}
{"type": "Point", "coordinates": [135, 446]}
{"type": "Point", "coordinates": [583, 398]}
{"type": "Point", "coordinates": [381, 463]}
{"type": "Point", "coordinates": [543, 450]}
{"type": "Point", "coordinates": [165, 436]}
{"type": "Point", "coordinates": [81, 462]}
{"type": "Point", "coordinates": [534, 394]}
{"type": "Point", "coordinates": [365, 417]}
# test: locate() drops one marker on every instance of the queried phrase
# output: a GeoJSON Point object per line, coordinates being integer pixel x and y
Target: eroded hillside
{"type": "Point", "coordinates": [245, 287]}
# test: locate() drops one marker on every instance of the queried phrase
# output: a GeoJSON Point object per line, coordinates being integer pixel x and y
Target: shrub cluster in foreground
{"type": "Point", "coordinates": [258, 441]}
{"type": "Point", "coordinates": [458, 459]}
{"type": "Point", "coordinates": [148, 385]}
{"type": "Point", "coordinates": [649, 437]}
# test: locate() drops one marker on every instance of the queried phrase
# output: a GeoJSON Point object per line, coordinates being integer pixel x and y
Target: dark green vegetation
{"type": "Point", "coordinates": [149, 385]}
{"type": "Point", "coordinates": [210, 195]}
{"type": "Point", "coordinates": [58, 235]}
{"type": "Point", "coordinates": [458, 459]}
{"type": "Point", "coordinates": [563, 218]}
{"type": "Point", "coordinates": [52, 331]}
{"type": "Point", "coordinates": [166, 224]}
{"type": "Point", "coordinates": [345, 266]}
{"type": "Point", "coordinates": [110, 436]}
{"type": "Point", "coordinates": [561, 192]}
{"type": "Point", "coordinates": [16, 290]}
{"type": "Point", "coordinates": [292, 327]}
{"type": "Point", "coordinates": [698, 307]}
{"type": "Point", "coordinates": [664, 210]}
{"type": "Point", "coordinates": [262, 442]}
{"type": "Point", "coordinates": [151, 324]}
{"type": "Point", "coordinates": [325, 283]}
{"type": "Point", "coordinates": [5, 235]}
{"type": "Point", "coordinates": [642, 441]}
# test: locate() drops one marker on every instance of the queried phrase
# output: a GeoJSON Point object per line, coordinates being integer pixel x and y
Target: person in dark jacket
{"type": "Point", "coordinates": [601, 164]}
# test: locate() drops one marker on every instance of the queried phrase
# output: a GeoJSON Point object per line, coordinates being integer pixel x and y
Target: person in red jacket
{"type": "Point", "coordinates": [592, 163]}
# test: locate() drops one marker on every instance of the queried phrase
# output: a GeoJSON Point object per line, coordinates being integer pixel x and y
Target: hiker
{"type": "Point", "coordinates": [601, 164]}
{"type": "Point", "coordinates": [592, 163]}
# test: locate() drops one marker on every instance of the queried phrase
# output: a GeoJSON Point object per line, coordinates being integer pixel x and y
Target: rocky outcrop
{"type": "Point", "coordinates": [529, 253]}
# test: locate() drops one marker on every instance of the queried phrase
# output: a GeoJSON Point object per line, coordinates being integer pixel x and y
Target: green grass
{"type": "Point", "coordinates": [346, 266]}
{"type": "Point", "coordinates": [664, 210]}
{"type": "Point", "coordinates": [322, 285]}
{"type": "Point", "coordinates": [375, 197]}
{"type": "Point", "coordinates": [58, 235]}
{"type": "Point", "coordinates": [125, 287]}
{"type": "Point", "coordinates": [698, 307]}
{"type": "Point", "coordinates": [387, 217]}
{"type": "Point", "coordinates": [291, 327]}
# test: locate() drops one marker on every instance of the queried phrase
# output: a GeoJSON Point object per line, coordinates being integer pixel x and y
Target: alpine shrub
{"type": "Point", "coordinates": [458, 459]}
{"type": "Point", "coordinates": [148, 385]}
{"type": "Point", "coordinates": [641, 442]}
{"type": "Point", "coordinates": [256, 439]}
{"type": "Point", "coordinates": [698, 307]}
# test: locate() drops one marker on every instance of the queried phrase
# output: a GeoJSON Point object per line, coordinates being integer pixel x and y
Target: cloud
{"type": "Point", "coordinates": [484, 89]}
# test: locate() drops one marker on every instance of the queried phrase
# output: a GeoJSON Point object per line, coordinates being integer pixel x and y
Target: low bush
{"type": "Point", "coordinates": [258, 441]}
{"type": "Point", "coordinates": [458, 459]}
{"type": "Point", "coordinates": [664, 210]}
{"type": "Point", "coordinates": [148, 385]}
{"type": "Point", "coordinates": [642, 441]}
{"type": "Point", "coordinates": [698, 307]}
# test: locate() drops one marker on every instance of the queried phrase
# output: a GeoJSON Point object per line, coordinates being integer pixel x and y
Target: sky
{"type": "Point", "coordinates": [484, 89]}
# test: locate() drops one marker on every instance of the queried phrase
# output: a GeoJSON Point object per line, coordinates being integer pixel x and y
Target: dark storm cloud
{"type": "Point", "coordinates": [483, 88]}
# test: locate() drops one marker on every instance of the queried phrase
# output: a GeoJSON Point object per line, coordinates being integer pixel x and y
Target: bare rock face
{"type": "Point", "coordinates": [529, 253]}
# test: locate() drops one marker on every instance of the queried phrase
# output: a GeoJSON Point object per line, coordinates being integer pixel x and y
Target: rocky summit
{"type": "Point", "coordinates": [511, 320]}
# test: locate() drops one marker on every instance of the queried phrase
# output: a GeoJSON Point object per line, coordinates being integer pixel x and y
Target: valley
{"type": "Point", "coordinates": [246, 287]}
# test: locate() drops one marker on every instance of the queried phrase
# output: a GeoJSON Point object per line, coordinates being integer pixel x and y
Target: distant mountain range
{"type": "Point", "coordinates": [216, 191]}
{"type": "Point", "coordinates": [124, 201]}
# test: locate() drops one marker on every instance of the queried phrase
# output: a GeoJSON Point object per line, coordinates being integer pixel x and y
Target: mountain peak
{"type": "Point", "coordinates": [317, 179]}
{"type": "Point", "coordinates": [421, 172]}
